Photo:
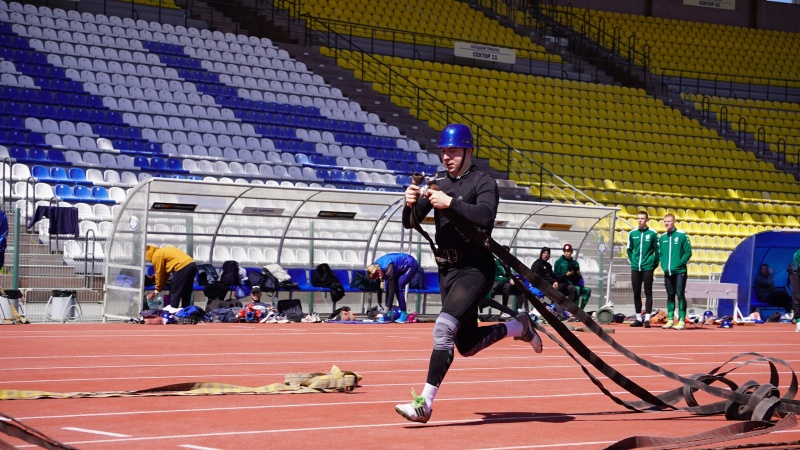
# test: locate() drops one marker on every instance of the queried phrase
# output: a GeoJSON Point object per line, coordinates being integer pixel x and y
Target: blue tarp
{"type": "Point", "coordinates": [774, 248]}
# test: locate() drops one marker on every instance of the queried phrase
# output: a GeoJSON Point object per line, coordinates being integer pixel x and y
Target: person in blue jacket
{"type": "Point", "coordinates": [3, 237]}
{"type": "Point", "coordinates": [395, 270]}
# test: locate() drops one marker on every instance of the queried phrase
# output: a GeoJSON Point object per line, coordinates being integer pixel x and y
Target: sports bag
{"type": "Point", "coordinates": [230, 273]}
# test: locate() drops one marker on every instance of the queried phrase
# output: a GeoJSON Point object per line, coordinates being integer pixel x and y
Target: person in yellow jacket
{"type": "Point", "coordinates": [171, 260]}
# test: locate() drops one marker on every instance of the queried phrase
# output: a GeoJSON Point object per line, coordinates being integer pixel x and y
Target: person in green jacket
{"type": "Point", "coordinates": [570, 280]}
{"type": "Point", "coordinates": [643, 256]}
{"type": "Point", "coordinates": [503, 284]}
{"type": "Point", "coordinates": [794, 279]}
{"type": "Point", "coordinates": [674, 252]}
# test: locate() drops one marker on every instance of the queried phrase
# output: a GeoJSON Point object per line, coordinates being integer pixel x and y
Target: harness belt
{"type": "Point", "coordinates": [751, 401]}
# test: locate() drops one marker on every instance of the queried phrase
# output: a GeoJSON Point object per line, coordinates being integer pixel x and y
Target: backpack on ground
{"type": "Point", "coordinates": [292, 309]}
{"type": "Point", "coordinates": [191, 315]}
{"type": "Point", "coordinates": [323, 276]}
{"type": "Point", "coordinates": [230, 273]}
{"type": "Point", "coordinates": [221, 303]}
{"type": "Point", "coordinates": [224, 315]}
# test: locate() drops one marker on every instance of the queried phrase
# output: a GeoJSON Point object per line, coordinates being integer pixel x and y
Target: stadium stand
{"type": "Point", "coordinates": [92, 104]}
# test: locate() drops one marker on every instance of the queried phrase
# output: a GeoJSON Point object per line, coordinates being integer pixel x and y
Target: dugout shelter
{"type": "Point", "coordinates": [301, 227]}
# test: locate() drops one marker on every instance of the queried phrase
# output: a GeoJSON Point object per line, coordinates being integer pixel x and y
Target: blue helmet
{"type": "Point", "coordinates": [726, 324]}
{"type": "Point", "coordinates": [456, 135]}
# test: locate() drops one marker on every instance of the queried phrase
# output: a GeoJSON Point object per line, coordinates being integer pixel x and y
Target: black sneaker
{"type": "Point", "coordinates": [637, 324]}
{"type": "Point", "coordinates": [647, 324]}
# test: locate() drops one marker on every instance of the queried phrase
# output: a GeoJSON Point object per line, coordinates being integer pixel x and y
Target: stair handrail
{"type": "Point", "coordinates": [780, 146]}
{"type": "Point", "coordinates": [88, 255]}
{"type": "Point", "coordinates": [742, 129]}
{"type": "Point", "coordinates": [761, 141]}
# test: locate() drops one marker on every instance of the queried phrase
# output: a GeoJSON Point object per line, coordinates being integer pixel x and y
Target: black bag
{"type": "Point", "coordinates": [418, 280]}
{"type": "Point", "coordinates": [775, 317]}
{"type": "Point", "coordinates": [230, 273]}
{"type": "Point", "coordinates": [324, 277]}
{"type": "Point", "coordinates": [224, 315]}
{"type": "Point", "coordinates": [291, 309]}
{"type": "Point", "coordinates": [265, 280]}
{"type": "Point", "coordinates": [220, 303]}
{"type": "Point", "coordinates": [206, 274]}
{"type": "Point", "coordinates": [362, 282]}
{"type": "Point", "coordinates": [217, 290]}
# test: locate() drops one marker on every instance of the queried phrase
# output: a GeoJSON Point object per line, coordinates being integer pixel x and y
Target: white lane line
{"type": "Point", "coordinates": [103, 433]}
{"type": "Point", "coordinates": [197, 447]}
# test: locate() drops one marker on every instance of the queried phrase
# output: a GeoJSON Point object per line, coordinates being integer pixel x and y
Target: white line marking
{"type": "Point", "coordinates": [365, 426]}
{"type": "Point", "coordinates": [103, 433]}
{"type": "Point", "coordinates": [197, 447]}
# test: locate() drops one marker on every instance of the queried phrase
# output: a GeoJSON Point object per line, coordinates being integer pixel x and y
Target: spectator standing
{"type": "Point", "coordinates": [395, 270]}
{"type": "Point", "coordinates": [674, 252]}
{"type": "Point", "coordinates": [466, 270]}
{"type": "Point", "coordinates": [172, 261]}
{"type": "Point", "coordinates": [643, 256]}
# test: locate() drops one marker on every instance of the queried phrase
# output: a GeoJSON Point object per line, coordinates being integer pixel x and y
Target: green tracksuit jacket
{"type": "Point", "coordinates": [674, 252]}
{"type": "Point", "coordinates": [643, 249]}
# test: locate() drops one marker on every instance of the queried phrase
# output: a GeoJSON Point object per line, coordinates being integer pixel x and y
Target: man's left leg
{"type": "Point", "coordinates": [680, 287]}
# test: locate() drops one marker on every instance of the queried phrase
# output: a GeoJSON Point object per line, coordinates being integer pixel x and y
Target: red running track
{"type": "Point", "coordinates": [506, 397]}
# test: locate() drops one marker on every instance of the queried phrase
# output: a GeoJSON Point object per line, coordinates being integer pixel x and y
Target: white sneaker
{"type": "Point", "coordinates": [797, 328]}
{"type": "Point", "coordinates": [505, 316]}
{"type": "Point", "coordinates": [416, 411]}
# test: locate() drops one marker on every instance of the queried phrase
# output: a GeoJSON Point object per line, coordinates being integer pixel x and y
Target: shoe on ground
{"type": "Point", "coordinates": [529, 333]}
{"type": "Point", "coordinates": [416, 411]}
{"type": "Point", "coordinates": [679, 326]}
{"type": "Point", "coordinates": [384, 319]}
{"type": "Point", "coordinates": [668, 325]}
{"type": "Point", "coordinates": [637, 324]}
{"type": "Point", "coordinates": [797, 328]}
{"type": "Point", "coordinates": [403, 318]}
{"type": "Point", "coordinates": [171, 309]}
{"type": "Point", "coordinates": [505, 316]}
{"type": "Point", "coordinates": [647, 324]}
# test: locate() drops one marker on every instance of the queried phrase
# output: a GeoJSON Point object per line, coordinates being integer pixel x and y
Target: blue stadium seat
{"type": "Point", "coordinates": [82, 193]}
{"type": "Point", "coordinates": [100, 194]}
{"type": "Point", "coordinates": [176, 165]}
{"type": "Point", "coordinates": [37, 154]}
{"type": "Point", "coordinates": [59, 175]}
{"type": "Point", "coordinates": [141, 162]}
{"type": "Point", "coordinates": [153, 147]}
{"type": "Point", "coordinates": [56, 156]}
{"type": "Point", "coordinates": [78, 176]}
{"type": "Point", "coordinates": [18, 153]}
{"type": "Point", "coordinates": [41, 173]}
{"type": "Point", "coordinates": [65, 193]}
